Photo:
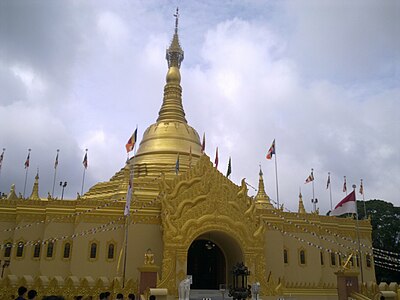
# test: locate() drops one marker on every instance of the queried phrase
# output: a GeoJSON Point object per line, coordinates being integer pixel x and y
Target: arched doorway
{"type": "Point", "coordinates": [206, 263]}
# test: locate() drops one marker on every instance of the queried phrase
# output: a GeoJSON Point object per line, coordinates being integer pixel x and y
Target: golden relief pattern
{"type": "Point", "coordinates": [203, 200]}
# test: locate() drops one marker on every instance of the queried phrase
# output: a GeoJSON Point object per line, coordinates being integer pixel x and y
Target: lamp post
{"type": "Point", "coordinates": [63, 185]}
{"type": "Point", "coordinates": [314, 202]}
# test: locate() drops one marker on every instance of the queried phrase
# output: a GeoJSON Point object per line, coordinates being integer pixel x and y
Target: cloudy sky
{"type": "Point", "coordinates": [321, 77]}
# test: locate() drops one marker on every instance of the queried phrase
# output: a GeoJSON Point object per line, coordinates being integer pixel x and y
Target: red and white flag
{"type": "Point", "coordinates": [344, 185]}
{"type": "Point", "coordinates": [347, 205]}
{"type": "Point", "coordinates": [310, 177]}
{"type": "Point", "coordinates": [361, 188]}
{"type": "Point", "coordinates": [271, 150]}
{"type": "Point", "coordinates": [27, 160]}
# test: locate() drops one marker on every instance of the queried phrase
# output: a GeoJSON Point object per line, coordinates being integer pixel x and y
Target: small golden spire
{"type": "Point", "coordinates": [301, 210]}
{"type": "Point", "coordinates": [262, 199]}
{"type": "Point", "coordinates": [35, 189]}
{"type": "Point", "coordinates": [172, 109]}
{"type": "Point", "coordinates": [12, 195]}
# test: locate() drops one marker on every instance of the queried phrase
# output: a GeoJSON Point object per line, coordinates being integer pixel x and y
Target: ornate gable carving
{"type": "Point", "coordinates": [201, 199]}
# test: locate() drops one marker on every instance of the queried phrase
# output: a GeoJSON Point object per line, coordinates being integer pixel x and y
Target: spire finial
{"type": "Point", "coordinates": [262, 199]}
{"type": "Point", "coordinates": [176, 15]}
{"type": "Point", "coordinates": [261, 172]}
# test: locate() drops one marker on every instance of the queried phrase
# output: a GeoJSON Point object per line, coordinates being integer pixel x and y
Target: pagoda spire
{"type": "Point", "coordinates": [172, 109]}
{"type": "Point", "coordinates": [262, 199]}
{"type": "Point", "coordinates": [35, 189]}
{"type": "Point", "coordinates": [301, 210]}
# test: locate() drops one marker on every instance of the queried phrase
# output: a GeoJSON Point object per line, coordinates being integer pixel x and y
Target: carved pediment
{"type": "Point", "coordinates": [204, 198]}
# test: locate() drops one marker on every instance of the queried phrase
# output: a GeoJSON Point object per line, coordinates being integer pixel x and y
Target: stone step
{"type": "Point", "coordinates": [209, 295]}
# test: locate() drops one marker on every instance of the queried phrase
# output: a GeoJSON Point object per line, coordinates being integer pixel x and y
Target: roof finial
{"type": "Point", "coordinates": [176, 15]}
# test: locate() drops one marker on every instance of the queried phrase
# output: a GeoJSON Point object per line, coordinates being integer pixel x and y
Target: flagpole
{"type": "Point", "coordinates": [365, 208]}
{"type": "Point", "coordinates": [1, 161]}
{"type": "Point", "coordinates": [313, 195]}
{"type": "Point", "coordinates": [276, 179]}
{"type": "Point", "coordinates": [55, 173]}
{"type": "Point", "coordinates": [358, 237]}
{"type": "Point", "coordinates": [26, 171]}
{"type": "Point", "coordinates": [131, 177]}
{"type": "Point", "coordinates": [330, 189]}
{"type": "Point", "coordinates": [84, 172]}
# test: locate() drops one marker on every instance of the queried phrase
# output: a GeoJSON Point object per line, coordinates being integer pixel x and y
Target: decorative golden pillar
{"type": "Point", "coordinates": [148, 272]}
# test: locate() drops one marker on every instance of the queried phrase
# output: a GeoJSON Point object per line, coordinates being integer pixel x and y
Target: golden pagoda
{"type": "Point", "coordinates": [190, 220]}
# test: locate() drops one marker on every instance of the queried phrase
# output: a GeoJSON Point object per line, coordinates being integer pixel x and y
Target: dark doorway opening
{"type": "Point", "coordinates": [206, 263]}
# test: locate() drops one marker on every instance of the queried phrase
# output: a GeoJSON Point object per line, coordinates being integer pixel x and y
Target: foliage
{"type": "Point", "coordinates": [385, 221]}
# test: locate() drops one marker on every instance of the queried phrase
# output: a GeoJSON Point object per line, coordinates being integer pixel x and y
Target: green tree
{"type": "Point", "coordinates": [385, 221]}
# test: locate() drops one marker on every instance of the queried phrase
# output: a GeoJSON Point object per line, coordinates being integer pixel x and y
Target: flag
{"type": "Point", "coordinates": [344, 185]}
{"type": "Point", "coordinates": [85, 161]}
{"type": "Point", "coordinates": [271, 150]}
{"type": "Point", "coordinates": [328, 183]}
{"type": "Point", "coordinates": [361, 188]}
{"type": "Point", "coordinates": [1, 158]}
{"type": "Point", "coordinates": [56, 162]}
{"type": "Point", "coordinates": [131, 142]}
{"type": "Point", "coordinates": [177, 165]}
{"type": "Point", "coordinates": [310, 177]}
{"type": "Point", "coordinates": [216, 158]}
{"type": "Point", "coordinates": [128, 199]}
{"type": "Point", "coordinates": [27, 160]}
{"type": "Point", "coordinates": [229, 171]}
{"type": "Point", "coordinates": [203, 145]}
{"type": "Point", "coordinates": [347, 205]}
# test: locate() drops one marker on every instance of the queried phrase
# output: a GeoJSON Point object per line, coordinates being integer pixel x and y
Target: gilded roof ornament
{"type": "Point", "coordinates": [35, 190]}
{"type": "Point", "coordinates": [12, 195]}
{"type": "Point", "coordinates": [301, 210]}
{"type": "Point", "coordinates": [175, 53]}
{"type": "Point", "coordinates": [262, 199]}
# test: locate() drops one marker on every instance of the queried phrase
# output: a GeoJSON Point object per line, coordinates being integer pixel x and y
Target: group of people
{"type": "Point", "coordinates": [24, 294]}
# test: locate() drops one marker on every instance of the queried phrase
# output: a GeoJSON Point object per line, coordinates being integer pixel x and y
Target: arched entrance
{"type": "Point", "coordinates": [206, 264]}
{"type": "Point", "coordinates": [210, 259]}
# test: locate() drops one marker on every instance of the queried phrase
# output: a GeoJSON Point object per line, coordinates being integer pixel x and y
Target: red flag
{"type": "Point", "coordinates": [271, 150]}
{"type": "Point", "coordinates": [85, 161]}
{"type": "Point", "coordinates": [131, 142]}
{"type": "Point", "coordinates": [347, 205]}
{"type": "Point", "coordinates": [203, 145]}
{"type": "Point", "coordinates": [344, 185]}
{"type": "Point", "coordinates": [216, 158]}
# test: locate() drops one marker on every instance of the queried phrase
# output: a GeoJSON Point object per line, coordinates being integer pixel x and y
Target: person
{"type": "Point", "coordinates": [131, 296]}
{"type": "Point", "coordinates": [32, 294]}
{"type": "Point", "coordinates": [21, 293]}
{"type": "Point", "coordinates": [120, 297]}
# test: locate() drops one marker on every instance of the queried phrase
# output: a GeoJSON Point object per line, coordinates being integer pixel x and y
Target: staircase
{"type": "Point", "coordinates": [208, 294]}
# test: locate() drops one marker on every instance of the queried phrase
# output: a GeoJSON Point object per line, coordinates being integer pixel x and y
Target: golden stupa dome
{"type": "Point", "coordinates": [170, 136]}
